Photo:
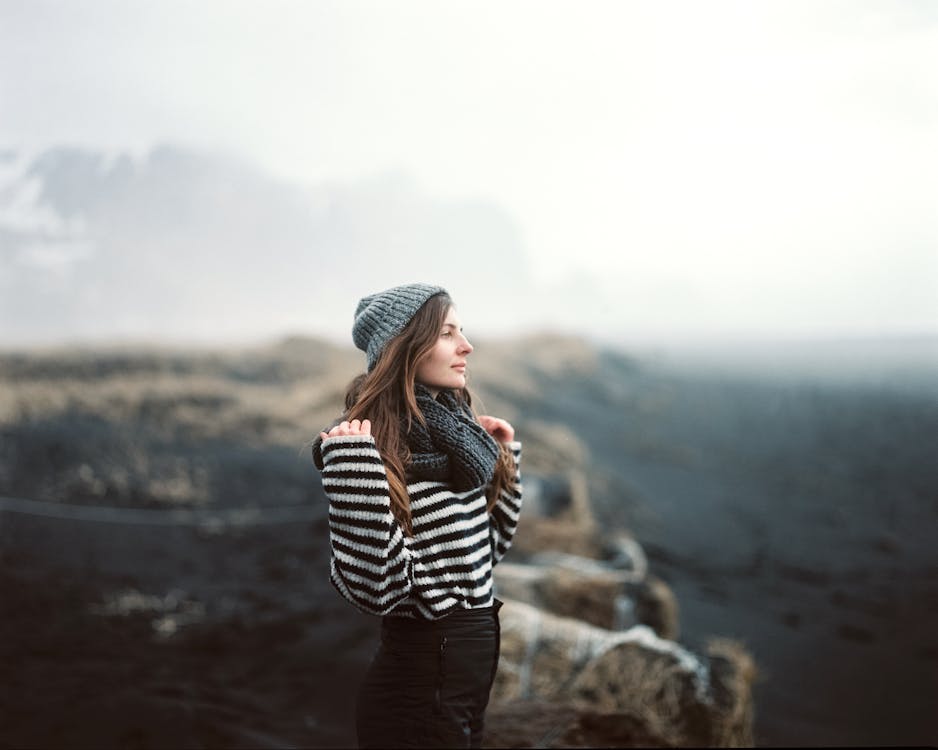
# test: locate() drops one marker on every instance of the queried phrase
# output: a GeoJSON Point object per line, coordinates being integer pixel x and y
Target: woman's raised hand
{"type": "Point", "coordinates": [355, 427]}
{"type": "Point", "coordinates": [497, 428]}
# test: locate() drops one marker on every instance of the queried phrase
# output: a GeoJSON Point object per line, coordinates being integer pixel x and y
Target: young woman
{"type": "Point", "coordinates": [424, 498]}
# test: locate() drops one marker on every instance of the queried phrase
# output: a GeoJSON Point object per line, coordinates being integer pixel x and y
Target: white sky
{"type": "Point", "coordinates": [758, 165]}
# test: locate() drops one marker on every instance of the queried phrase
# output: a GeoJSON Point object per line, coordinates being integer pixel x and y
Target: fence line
{"type": "Point", "coordinates": [202, 517]}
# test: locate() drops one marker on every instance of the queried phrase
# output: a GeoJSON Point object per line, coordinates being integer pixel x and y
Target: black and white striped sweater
{"type": "Point", "coordinates": [446, 564]}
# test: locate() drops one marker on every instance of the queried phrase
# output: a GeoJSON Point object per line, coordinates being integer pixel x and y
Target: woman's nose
{"type": "Point", "coordinates": [466, 346]}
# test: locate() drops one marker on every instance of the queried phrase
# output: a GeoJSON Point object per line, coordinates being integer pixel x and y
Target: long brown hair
{"type": "Point", "coordinates": [386, 394]}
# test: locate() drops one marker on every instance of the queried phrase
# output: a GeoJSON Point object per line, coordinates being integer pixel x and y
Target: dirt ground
{"type": "Point", "coordinates": [149, 636]}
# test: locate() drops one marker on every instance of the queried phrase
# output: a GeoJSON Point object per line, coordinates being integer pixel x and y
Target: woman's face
{"type": "Point", "coordinates": [445, 365]}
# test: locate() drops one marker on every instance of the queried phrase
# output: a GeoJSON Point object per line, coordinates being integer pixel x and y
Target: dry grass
{"type": "Point", "coordinates": [161, 426]}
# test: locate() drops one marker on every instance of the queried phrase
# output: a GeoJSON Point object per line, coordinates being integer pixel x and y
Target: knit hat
{"type": "Point", "coordinates": [381, 316]}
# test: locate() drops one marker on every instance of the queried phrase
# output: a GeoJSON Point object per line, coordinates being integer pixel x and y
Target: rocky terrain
{"type": "Point", "coordinates": [756, 555]}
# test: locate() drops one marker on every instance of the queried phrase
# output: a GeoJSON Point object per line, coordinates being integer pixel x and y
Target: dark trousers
{"type": "Point", "coordinates": [429, 682]}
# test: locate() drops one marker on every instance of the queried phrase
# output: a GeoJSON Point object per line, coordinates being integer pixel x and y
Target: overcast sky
{"type": "Point", "coordinates": [769, 166]}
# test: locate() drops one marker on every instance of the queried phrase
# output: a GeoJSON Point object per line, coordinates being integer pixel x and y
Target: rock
{"type": "Point", "coordinates": [622, 552]}
{"type": "Point", "coordinates": [732, 674]}
{"type": "Point", "coordinates": [593, 591]}
{"type": "Point", "coordinates": [631, 683]}
{"type": "Point", "coordinates": [656, 606]}
{"type": "Point", "coordinates": [532, 723]}
{"type": "Point", "coordinates": [558, 516]}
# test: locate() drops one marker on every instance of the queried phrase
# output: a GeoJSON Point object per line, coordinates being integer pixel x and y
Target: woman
{"type": "Point", "coordinates": [424, 500]}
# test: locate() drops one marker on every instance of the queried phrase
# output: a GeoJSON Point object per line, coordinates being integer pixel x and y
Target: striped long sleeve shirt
{"type": "Point", "coordinates": [446, 564]}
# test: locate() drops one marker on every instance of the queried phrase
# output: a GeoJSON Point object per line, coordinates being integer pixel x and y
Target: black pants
{"type": "Point", "coordinates": [429, 682]}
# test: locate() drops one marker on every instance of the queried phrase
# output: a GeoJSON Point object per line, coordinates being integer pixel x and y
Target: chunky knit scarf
{"type": "Point", "coordinates": [454, 447]}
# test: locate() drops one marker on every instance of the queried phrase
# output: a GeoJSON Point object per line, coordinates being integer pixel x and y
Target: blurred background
{"type": "Point", "coordinates": [635, 171]}
{"type": "Point", "coordinates": [694, 243]}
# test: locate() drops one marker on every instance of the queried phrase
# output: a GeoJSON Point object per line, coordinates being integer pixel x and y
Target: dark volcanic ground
{"type": "Point", "coordinates": [241, 643]}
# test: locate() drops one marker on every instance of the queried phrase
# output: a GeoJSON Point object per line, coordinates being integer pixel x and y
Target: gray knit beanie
{"type": "Point", "coordinates": [381, 316]}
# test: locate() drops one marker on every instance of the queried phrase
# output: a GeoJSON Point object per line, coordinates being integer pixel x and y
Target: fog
{"type": "Point", "coordinates": [642, 171]}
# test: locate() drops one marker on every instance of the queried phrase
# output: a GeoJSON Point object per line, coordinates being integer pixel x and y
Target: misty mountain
{"type": "Point", "coordinates": [185, 243]}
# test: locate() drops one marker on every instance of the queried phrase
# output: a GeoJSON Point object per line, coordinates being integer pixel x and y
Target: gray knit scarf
{"type": "Point", "coordinates": [453, 448]}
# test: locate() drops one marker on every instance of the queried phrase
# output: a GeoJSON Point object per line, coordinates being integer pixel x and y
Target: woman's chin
{"type": "Point", "coordinates": [455, 384]}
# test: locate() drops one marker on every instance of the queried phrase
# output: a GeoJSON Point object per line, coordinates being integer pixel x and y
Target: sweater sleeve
{"type": "Point", "coordinates": [504, 518]}
{"type": "Point", "coordinates": [370, 565]}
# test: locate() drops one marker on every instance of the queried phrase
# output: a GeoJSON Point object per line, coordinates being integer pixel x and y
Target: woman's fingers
{"type": "Point", "coordinates": [497, 428]}
{"type": "Point", "coordinates": [507, 433]}
{"type": "Point", "coordinates": [340, 429]}
{"type": "Point", "coordinates": [492, 423]}
{"type": "Point", "coordinates": [487, 422]}
{"type": "Point", "coordinates": [355, 427]}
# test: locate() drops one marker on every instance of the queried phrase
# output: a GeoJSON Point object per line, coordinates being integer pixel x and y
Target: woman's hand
{"type": "Point", "coordinates": [498, 428]}
{"type": "Point", "coordinates": [355, 427]}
